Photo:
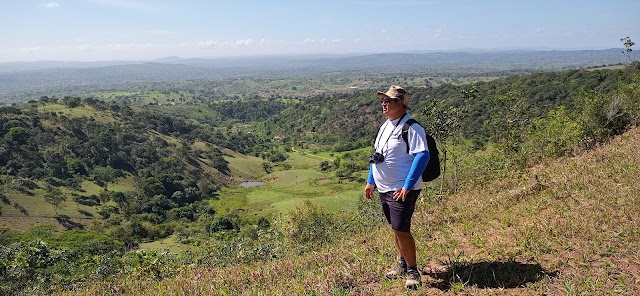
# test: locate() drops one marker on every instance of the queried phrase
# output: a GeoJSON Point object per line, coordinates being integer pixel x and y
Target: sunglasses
{"type": "Point", "coordinates": [388, 101]}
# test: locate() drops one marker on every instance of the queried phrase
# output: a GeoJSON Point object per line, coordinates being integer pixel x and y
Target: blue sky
{"type": "Point", "coordinates": [97, 30]}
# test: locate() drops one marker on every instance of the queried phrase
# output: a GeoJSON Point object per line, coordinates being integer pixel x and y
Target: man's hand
{"type": "Point", "coordinates": [368, 190]}
{"type": "Point", "coordinates": [401, 194]}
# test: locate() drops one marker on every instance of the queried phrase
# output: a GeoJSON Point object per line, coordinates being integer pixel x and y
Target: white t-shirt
{"type": "Point", "coordinates": [391, 174]}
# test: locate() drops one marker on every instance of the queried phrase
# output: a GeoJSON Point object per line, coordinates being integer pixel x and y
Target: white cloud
{"type": "Point", "coordinates": [50, 4]}
{"type": "Point", "coordinates": [437, 34]}
{"type": "Point", "coordinates": [207, 44]}
{"type": "Point", "coordinates": [230, 44]}
{"type": "Point", "coordinates": [247, 42]}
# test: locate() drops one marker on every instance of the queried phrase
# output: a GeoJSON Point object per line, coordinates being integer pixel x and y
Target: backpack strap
{"type": "Point", "coordinates": [405, 131]}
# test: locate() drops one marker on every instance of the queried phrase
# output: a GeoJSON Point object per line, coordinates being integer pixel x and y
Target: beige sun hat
{"type": "Point", "coordinates": [395, 92]}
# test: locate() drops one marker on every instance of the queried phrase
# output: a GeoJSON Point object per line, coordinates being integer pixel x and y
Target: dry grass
{"type": "Point", "coordinates": [567, 227]}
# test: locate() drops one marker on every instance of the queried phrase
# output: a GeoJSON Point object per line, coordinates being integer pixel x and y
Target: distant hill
{"type": "Point", "coordinates": [357, 61]}
{"type": "Point", "coordinates": [21, 77]}
{"type": "Point", "coordinates": [12, 67]}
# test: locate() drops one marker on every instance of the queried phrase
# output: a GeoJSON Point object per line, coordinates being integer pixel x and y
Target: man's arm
{"type": "Point", "coordinates": [371, 184]}
{"type": "Point", "coordinates": [418, 165]}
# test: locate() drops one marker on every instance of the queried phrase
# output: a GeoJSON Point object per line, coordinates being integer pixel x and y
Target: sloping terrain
{"type": "Point", "coordinates": [566, 227]}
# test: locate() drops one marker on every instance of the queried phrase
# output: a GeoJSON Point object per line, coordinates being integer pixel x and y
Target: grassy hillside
{"type": "Point", "coordinates": [27, 208]}
{"type": "Point", "coordinates": [566, 227]}
{"type": "Point", "coordinates": [243, 166]}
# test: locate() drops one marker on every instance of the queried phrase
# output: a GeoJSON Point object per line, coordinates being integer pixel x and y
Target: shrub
{"type": "Point", "coordinates": [220, 224]}
{"type": "Point", "coordinates": [24, 266]}
{"type": "Point", "coordinates": [157, 265]}
{"type": "Point", "coordinates": [369, 212]}
{"type": "Point", "coordinates": [85, 242]}
{"type": "Point", "coordinates": [254, 246]}
{"type": "Point", "coordinates": [556, 135]}
{"type": "Point", "coordinates": [309, 224]}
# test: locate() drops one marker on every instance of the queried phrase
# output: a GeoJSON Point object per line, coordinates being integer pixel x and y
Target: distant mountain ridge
{"type": "Point", "coordinates": [22, 77]}
{"type": "Point", "coordinates": [434, 58]}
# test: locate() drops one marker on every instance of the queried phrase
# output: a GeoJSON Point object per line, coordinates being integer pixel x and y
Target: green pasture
{"type": "Point", "coordinates": [28, 208]}
{"type": "Point", "coordinates": [110, 95]}
{"type": "Point", "coordinates": [327, 155]}
{"type": "Point", "coordinates": [140, 97]}
{"type": "Point", "coordinates": [303, 160]}
{"type": "Point", "coordinates": [80, 111]}
{"type": "Point", "coordinates": [615, 67]}
{"type": "Point", "coordinates": [158, 96]}
{"type": "Point", "coordinates": [168, 244]}
{"type": "Point", "coordinates": [123, 184]}
{"type": "Point", "coordinates": [286, 190]}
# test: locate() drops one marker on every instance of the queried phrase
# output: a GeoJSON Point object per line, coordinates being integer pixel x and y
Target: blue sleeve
{"type": "Point", "coordinates": [420, 161]}
{"type": "Point", "coordinates": [370, 178]}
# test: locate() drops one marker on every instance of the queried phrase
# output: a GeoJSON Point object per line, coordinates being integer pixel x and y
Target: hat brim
{"type": "Point", "coordinates": [382, 95]}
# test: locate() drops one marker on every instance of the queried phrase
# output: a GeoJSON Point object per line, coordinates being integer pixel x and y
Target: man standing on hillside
{"type": "Point", "coordinates": [396, 172]}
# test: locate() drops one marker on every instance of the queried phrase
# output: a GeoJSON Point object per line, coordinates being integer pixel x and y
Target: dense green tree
{"type": "Point", "coordinates": [104, 175]}
{"type": "Point", "coordinates": [76, 167]}
{"type": "Point", "coordinates": [555, 135]}
{"type": "Point", "coordinates": [71, 101]}
{"type": "Point", "coordinates": [17, 136]}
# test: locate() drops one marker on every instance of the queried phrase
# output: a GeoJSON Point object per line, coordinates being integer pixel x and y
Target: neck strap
{"type": "Point", "coordinates": [381, 131]}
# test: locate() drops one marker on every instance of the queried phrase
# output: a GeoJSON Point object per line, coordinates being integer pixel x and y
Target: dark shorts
{"type": "Point", "coordinates": [398, 213]}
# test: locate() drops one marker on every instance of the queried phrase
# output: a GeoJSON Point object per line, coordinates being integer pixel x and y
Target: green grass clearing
{"type": "Point", "coordinates": [286, 190]}
{"type": "Point", "coordinates": [29, 208]}
{"type": "Point", "coordinates": [168, 244]}
{"type": "Point", "coordinates": [80, 111]}
{"type": "Point", "coordinates": [244, 167]}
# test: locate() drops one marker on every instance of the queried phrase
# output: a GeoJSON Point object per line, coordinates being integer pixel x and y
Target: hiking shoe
{"type": "Point", "coordinates": [413, 279]}
{"type": "Point", "coordinates": [396, 272]}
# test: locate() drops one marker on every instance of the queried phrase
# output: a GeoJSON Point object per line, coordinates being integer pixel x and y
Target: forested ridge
{"type": "Point", "coordinates": [174, 157]}
{"type": "Point", "coordinates": [349, 121]}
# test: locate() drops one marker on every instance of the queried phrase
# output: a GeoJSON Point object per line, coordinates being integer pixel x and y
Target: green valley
{"type": "Point", "coordinates": [136, 187]}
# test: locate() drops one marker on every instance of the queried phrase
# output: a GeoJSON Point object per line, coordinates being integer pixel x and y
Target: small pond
{"type": "Point", "coordinates": [252, 183]}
